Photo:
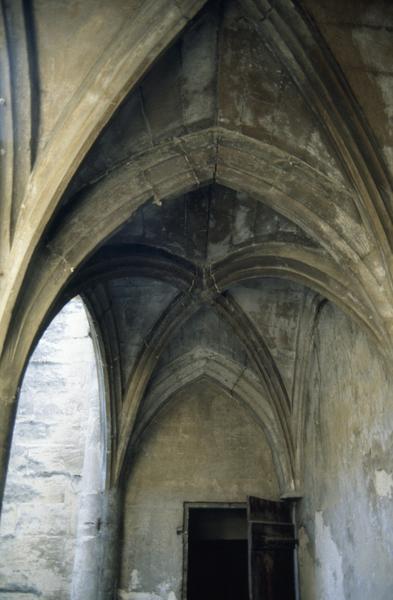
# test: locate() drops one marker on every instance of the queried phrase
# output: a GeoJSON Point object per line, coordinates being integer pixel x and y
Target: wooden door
{"type": "Point", "coordinates": [271, 546]}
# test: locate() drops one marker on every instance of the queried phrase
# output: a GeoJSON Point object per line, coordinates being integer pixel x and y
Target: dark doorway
{"type": "Point", "coordinates": [217, 567]}
{"type": "Point", "coordinates": [271, 539]}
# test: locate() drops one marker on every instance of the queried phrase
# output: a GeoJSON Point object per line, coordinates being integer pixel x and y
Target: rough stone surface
{"type": "Point", "coordinates": [39, 519]}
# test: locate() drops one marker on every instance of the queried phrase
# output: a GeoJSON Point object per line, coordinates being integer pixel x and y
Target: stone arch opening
{"type": "Point", "coordinates": [198, 449]}
{"type": "Point", "coordinates": [56, 474]}
{"type": "Point", "coordinates": [241, 387]}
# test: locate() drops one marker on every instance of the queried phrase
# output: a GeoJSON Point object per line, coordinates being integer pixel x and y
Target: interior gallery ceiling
{"type": "Point", "coordinates": [206, 170]}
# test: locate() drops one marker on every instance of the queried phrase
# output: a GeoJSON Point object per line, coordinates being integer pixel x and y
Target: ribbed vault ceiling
{"type": "Point", "coordinates": [212, 174]}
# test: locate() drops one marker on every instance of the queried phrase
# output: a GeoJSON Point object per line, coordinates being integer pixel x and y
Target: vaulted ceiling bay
{"type": "Point", "coordinates": [212, 180]}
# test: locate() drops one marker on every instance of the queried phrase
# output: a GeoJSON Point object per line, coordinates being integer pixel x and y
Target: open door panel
{"type": "Point", "coordinates": [271, 550]}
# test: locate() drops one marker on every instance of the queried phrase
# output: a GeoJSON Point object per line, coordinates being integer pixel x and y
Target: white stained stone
{"type": "Point", "coordinates": [330, 577]}
{"type": "Point", "coordinates": [383, 482]}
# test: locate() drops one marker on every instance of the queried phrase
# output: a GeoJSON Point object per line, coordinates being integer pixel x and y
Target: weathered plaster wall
{"type": "Point", "coordinates": [199, 449]}
{"type": "Point", "coordinates": [359, 33]}
{"type": "Point", "coordinates": [346, 517]}
{"type": "Point", "coordinates": [274, 306]}
{"type": "Point", "coordinates": [208, 224]}
{"type": "Point", "coordinates": [209, 333]}
{"type": "Point", "coordinates": [39, 519]}
{"type": "Point", "coordinates": [137, 303]}
{"type": "Point", "coordinates": [219, 72]}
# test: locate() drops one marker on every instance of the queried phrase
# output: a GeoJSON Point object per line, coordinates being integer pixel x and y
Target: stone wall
{"type": "Point", "coordinates": [204, 447]}
{"type": "Point", "coordinates": [198, 449]}
{"type": "Point", "coordinates": [39, 520]}
{"type": "Point", "coordinates": [346, 517]}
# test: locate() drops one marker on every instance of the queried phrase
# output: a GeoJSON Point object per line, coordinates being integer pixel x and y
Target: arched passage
{"type": "Point", "coordinates": [192, 165]}
{"type": "Point", "coordinates": [198, 449]}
